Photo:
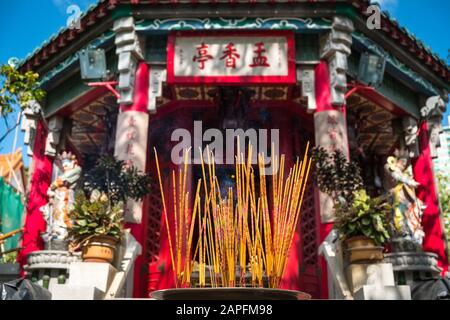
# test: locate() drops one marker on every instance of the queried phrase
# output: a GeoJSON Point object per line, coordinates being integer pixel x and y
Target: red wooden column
{"type": "Point", "coordinates": [40, 182]}
{"type": "Point", "coordinates": [162, 270]}
{"type": "Point", "coordinates": [283, 122]}
{"type": "Point", "coordinates": [132, 147]}
{"type": "Point", "coordinates": [423, 173]}
{"type": "Point", "coordinates": [330, 133]}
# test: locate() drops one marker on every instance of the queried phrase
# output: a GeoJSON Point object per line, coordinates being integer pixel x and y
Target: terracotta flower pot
{"type": "Point", "coordinates": [363, 250]}
{"type": "Point", "coordinates": [99, 249]}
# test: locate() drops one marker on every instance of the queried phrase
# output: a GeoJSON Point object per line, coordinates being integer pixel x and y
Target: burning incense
{"type": "Point", "coordinates": [242, 231]}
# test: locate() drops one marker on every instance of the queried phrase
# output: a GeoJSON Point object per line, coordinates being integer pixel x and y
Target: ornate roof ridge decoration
{"type": "Point", "coordinates": [66, 36]}
{"type": "Point", "coordinates": [336, 47]}
{"type": "Point", "coordinates": [130, 52]}
{"type": "Point", "coordinates": [221, 23]}
{"type": "Point", "coordinates": [403, 38]}
{"type": "Point", "coordinates": [96, 13]}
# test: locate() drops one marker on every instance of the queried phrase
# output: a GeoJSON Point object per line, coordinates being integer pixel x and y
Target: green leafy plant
{"type": "Point", "coordinates": [365, 217]}
{"type": "Point", "coordinates": [119, 182]}
{"type": "Point", "coordinates": [444, 199]}
{"type": "Point", "coordinates": [109, 185]}
{"type": "Point", "coordinates": [95, 217]}
{"type": "Point", "coordinates": [17, 88]}
{"type": "Point", "coordinates": [9, 257]}
{"type": "Point", "coordinates": [357, 214]}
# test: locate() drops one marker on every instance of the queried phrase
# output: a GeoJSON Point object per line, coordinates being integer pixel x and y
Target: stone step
{"type": "Point", "coordinates": [371, 292]}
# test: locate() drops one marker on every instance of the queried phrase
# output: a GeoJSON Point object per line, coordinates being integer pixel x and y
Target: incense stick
{"type": "Point", "coordinates": [246, 232]}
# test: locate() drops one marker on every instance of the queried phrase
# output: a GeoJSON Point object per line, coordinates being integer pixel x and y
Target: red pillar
{"type": "Point", "coordinates": [139, 231]}
{"type": "Point", "coordinates": [323, 102]}
{"type": "Point", "coordinates": [40, 182]}
{"type": "Point", "coordinates": [291, 276]}
{"type": "Point", "coordinates": [164, 276]}
{"type": "Point", "coordinates": [163, 269]}
{"type": "Point", "coordinates": [427, 192]}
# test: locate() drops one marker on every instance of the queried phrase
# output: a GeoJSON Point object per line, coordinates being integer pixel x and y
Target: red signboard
{"type": "Point", "coordinates": [231, 57]}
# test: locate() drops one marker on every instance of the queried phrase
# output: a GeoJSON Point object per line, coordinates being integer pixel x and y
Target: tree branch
{"type": "Point", "coordinates": [8, 132]}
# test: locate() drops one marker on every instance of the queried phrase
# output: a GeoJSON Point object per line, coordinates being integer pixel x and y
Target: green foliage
{"type": "Point", "coordinates": [444, 198]}
{"type": "Point", "coordinates": [95, 217]}
{"type": "Point", "coordinates": [366, 217]}
{"type": "Point", "coordinates": [17, 88]}
{"type": "Point", "coordinates": [120, 183]}
{"type": "Point", "coordinates": [335, 175]}
{"type": "Point", "coordinates": [357, 214]}
{"type": "Point", "coordinates": [110, 184]}
{"type": "Point", "coordinates": [9, 257]}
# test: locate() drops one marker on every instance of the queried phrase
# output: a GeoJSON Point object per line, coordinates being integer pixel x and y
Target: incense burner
{"type": "Point", "coordinates": [229, 294]}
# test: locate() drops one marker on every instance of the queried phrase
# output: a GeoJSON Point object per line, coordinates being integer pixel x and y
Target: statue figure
{"type": "Point", "coordinates": [61, 199]}
{"type": "Point", "coordinates": [407, 209]}
{"type": "Point", "coordinates": [432, 112]}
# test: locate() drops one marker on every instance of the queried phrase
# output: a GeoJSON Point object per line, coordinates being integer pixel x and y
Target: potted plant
{"type": "Point", "coordinates": [360, 219]}
{"type": "Point", "coordinates": [97, 217]}
{"type": "Point", "coordinates": [97, 226]}
{"type": "Point", "coordinates": [363, 227]}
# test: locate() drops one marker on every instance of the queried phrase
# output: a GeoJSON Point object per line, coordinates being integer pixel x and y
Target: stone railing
{"type": "Point", "coordinates": [49, 267]}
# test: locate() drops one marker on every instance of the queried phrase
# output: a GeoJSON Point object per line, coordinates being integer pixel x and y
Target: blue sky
{"type": "Point", "coordinates": [25, 24]}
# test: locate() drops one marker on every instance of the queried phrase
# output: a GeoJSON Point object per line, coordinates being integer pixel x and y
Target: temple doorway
{"type": "Point", "coordinates": [232, 108]}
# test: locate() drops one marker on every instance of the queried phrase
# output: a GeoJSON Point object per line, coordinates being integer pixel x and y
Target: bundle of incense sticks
{"type": "Point", "coordinates": [242, 235]}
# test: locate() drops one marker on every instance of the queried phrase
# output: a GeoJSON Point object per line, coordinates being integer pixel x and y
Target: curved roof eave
{"type": "Point", "coordinates": [68, 39]}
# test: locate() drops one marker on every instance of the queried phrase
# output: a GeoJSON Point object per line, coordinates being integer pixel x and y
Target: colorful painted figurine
{"type": "Point", "coordinates": [61, 198]}
{"type": "Point", "coordinates": [407, 209]}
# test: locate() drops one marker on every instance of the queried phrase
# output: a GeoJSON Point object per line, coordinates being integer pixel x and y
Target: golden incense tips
{"type": "Point", "coordinates": [243, 232]}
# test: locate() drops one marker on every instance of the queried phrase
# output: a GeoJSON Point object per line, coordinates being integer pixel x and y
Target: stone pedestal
{"type": "Point", "coordinates": [372, 292]}
{"type": "Point", "coordinates": [359, 275]}
{"type": "Point", "coordinates": [85, 274]}
{"type": "Point", "coordinates": [87, 281]}
{"type": "Point", "coordinates": [64, 292]}
{"type": "Point", "coordinates": [413, 266]}
{"type": "Point", "coordinates": [375, 282]}
{"type": "Point", "coordinates": [57, 245]}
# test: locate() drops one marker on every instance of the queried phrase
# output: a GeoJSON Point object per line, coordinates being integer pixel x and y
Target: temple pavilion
{"type": "Point", "coordinates": [331, 73]}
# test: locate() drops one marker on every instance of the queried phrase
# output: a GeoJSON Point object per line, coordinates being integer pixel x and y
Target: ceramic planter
{"type": "Point", "coordinates": [362, 250]}
{"type": "Point", "coordinates": [100, 249]}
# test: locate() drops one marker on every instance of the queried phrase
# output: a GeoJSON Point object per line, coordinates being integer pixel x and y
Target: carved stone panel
{"type": "Point", "coordinates": [131, 147]}
{"type": "Point", "coordinates": [331, 134]}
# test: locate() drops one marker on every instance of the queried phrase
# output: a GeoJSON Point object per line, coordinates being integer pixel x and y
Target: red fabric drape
{"type": "Point", "coordinates": [40, 182]}
{"type": "Point", "coordinates": [423, 173]}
